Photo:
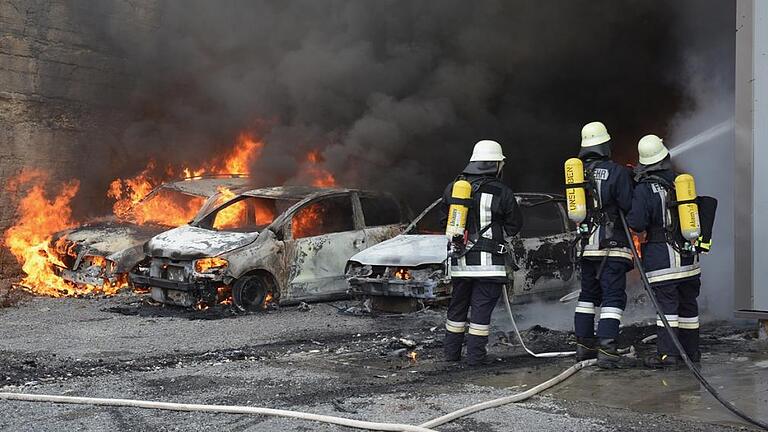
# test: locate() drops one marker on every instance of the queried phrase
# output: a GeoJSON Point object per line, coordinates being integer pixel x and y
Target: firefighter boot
{"type": "Point", "coordinates": [452, 346]}
{"type": "Point", "coordinates": [476, 351]}
{"type": "Point", "coordinates": [662, 361]}
{"type": "Point", "coordinates": [607, 354]}
{"type": "Point", "coordinates": [585, 349]}
{"type": "Point", "coordinates": [689, 339]}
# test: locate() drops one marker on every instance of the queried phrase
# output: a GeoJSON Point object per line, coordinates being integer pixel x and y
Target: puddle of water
{"type": "Point", "coordinates": [745, 383]}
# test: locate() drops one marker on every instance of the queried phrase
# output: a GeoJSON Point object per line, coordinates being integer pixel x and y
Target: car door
{"type": "Point", "coordinates": [543, 250]}
{"type": "Point", "coordinates": [322, 235]}
{"type": "Point", "coordinates": [382, 217]}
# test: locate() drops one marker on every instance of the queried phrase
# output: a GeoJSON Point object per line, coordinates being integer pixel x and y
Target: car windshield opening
{"type": "Point", "coordinates": [245, 214]}
{"type": "Point", "coordinates": [541, 220]}
{"type": "Point", "coordinates": [166, 207]}
{"type": "Point", "coordinates": [428, 222]}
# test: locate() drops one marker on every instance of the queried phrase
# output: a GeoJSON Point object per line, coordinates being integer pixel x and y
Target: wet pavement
{"type": "Point", "coordinates": [741, 379]}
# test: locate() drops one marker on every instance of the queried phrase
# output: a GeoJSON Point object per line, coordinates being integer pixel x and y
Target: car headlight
{"type": "Point", "coordinates": [210, 265]}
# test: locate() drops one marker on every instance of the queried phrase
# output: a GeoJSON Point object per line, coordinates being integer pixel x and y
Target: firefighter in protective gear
{"type": "Point", "coordinates": [673, 271]}
{"type": "Point", "coordinates": [479, 273]}
{"type": "Point", "coordinates": [605, 254]}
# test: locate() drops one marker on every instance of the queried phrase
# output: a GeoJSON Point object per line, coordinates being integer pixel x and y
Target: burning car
{"type": "Point", "coordinates": [101, 253]}
{"type": "Point", "coordinates": [272, 245]}
{"type": "Point", "coordinates": [413, 264]}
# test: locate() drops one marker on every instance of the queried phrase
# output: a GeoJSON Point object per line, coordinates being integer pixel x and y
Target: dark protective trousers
{"type": "Point", "coordinates": [480, 295]}
{"type": "Point", "coordinates": [608, 293]}
{"type": "Point", "coordinates": [677, 300]}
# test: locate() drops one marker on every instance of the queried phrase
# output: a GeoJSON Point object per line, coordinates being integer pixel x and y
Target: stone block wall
{"type": "Point", "coordinates": [62, 87]}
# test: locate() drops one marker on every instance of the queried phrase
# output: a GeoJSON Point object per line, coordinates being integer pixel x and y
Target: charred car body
{"type": "Point", "coordinates": [279, 244]}
{"type": "Point", "coordinates": [103, 252]}
{"type": "Point", "coordinates": [413, 264]}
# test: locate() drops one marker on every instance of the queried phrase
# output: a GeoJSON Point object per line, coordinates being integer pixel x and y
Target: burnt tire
{"type": "Point", "coordinates": [252, 293]}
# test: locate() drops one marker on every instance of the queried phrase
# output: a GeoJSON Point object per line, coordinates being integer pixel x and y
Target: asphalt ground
{"type": "Point", "coordinates": [329, 362]}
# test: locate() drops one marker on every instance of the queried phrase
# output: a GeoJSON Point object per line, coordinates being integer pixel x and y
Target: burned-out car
{"type": "Point", "coordinates": [414, 264]}
{"type": "Point", "coordinates": [264, 246]}
{"type": "Point", "coordinates": [101, 253]}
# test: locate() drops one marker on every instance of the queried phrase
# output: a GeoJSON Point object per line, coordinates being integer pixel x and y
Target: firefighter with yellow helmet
{"type": "Point", "coordinates": [480, 212]}
{"type": "Point", "coordinates": [666, 208]}
{"type": "Point", "coordinates": [597, 189]}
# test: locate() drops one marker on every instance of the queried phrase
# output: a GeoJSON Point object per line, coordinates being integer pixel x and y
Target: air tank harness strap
{"type": "Point", "coordinates": [481, 245]}
{"type": "Point", "coordinates": [688, 201]}
{"type": "Point", "coordinates": [467, 202]}
{"type": "Point", "coordinates": [576, 185]}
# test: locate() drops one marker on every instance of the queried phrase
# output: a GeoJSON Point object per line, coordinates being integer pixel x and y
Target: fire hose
{"type": "Point", "coordinates": [696, 372]}
{"type": "Point", "coordinates": [358, 424]}
{"type": "Point", "coordinates": [227, 409]}
{"type": "Point", "coordinates": [508, 306]}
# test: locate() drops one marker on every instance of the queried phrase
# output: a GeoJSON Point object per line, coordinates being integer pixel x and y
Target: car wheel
{"type": "Point", "coordinates": [252, 293]}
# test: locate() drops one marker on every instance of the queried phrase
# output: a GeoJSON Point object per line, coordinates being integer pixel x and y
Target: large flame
{"type": "Point", "coordinates": [167, 210]}
{"type": "Point", "coordinates": [28, 240]}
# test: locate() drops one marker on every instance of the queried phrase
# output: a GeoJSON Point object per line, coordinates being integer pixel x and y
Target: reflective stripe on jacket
{"type": "Point", "coordinates": [494, 204]}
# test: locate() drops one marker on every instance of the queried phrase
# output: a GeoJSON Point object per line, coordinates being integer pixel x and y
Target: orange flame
{"type": "Point", "coordinates": [403, 274]}
{"type": "Point", "coordinates": [29, 239]}
{"type": "Point", "coordinates": [307, 222]}
{"type": "Point", "coordinates": [232, 215]}
{"type": "Point", "coordinates": [320, 176]}
{"type": "Point", "coordinates": [167, 210]}
{"type": "Point", "coordinates": [268, 298]}
{"type": "Point", "coordinates": [638, 243]}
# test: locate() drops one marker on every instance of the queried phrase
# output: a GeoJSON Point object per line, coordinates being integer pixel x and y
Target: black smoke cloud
{"type": "Point", "coordinates": [395, 93]}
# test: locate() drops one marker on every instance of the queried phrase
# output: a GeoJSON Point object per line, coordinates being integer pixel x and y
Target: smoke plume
{"type": "Point", "coordinates": [395, 93]}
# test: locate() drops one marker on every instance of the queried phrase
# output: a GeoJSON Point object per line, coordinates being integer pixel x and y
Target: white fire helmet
{"type": "Point", "coordinates": [593, 134]}
{"type": "Point", "coordinates": [651, 150]}
{"type": "Point", "coordinates": [487, 151]}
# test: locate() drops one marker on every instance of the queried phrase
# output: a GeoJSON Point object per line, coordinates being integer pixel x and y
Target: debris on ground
{"type": "Point", "coordinates": [10, 294]}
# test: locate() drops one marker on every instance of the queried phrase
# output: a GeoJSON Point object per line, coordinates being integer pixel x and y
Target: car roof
{"type": "Point", "coordinates": [208, 186]}
{"type": "Point", "coordinates": [295, 192]}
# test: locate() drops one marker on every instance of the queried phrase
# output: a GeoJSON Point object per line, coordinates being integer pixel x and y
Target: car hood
{"type": "Point", "coordinates": [106, 238]}
{"type": "Point", "coordinates": [406, 250]}
{"type": "Point", "coordinates": [193, 242]}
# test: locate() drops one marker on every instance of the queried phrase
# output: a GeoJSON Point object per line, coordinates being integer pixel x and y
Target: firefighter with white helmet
{"type": "Point", "coordinates": [673, 241]}
{"type": "Point", "coordinates": [483, 214]}
{"type": "Point", "coordinates": [605, 254]}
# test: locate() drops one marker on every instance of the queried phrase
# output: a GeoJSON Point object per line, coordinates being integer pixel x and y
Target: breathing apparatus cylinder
{"type": "Point", "coordinates": [688, 210]}
{"type": "Point", "coordinates": [575, 195]}
{"type": "Point", "coordinates": [457, 213]}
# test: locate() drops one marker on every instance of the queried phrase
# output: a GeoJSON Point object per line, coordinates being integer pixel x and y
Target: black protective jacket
{"type": "Point", "coordinates": [612, 192]}
{"type": "Point", "coordinates": [651, 213]}
{"type": "Point", "coordinates": [494, 206]}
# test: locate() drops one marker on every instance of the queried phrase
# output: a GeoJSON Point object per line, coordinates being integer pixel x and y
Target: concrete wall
{"type": "Point", "coordinates": [61, 86]}
{"type": "Point", "coordinates": [751, 185]}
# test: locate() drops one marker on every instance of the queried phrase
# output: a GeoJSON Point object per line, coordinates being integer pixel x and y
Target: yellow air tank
{"type": "Point", "coordinates": [457, 213]}
{"type": "Point", "coordinates": [688, 211]}
{"type": "Point", "coordinates": [575, 195]}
